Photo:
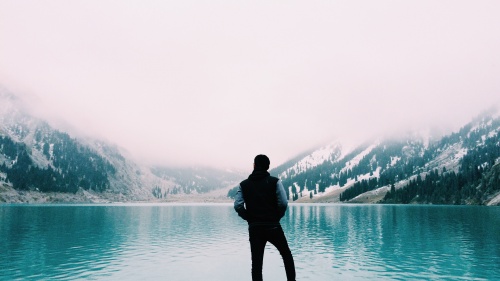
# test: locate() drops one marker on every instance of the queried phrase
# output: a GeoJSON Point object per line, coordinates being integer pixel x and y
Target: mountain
{"type": "Point", "coordinates": [460, 168]}
{"type": "Point", "coordinates": [39, 163]}
{"type": "Point", "coordinates": [196, 180]}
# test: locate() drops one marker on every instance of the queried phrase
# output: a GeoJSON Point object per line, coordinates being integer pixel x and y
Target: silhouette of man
{"type": "Point", "coordinates": [261, 201]}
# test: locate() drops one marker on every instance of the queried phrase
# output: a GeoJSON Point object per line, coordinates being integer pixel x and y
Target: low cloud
{"type": "Point", "coordinates": [191, 83]}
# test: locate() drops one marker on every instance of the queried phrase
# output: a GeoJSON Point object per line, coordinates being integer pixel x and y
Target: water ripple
{"type": "Point", "coordinates": [203, 242]}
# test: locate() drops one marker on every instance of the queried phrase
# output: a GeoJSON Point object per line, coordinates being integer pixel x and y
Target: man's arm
{"type": "Point", "coordinates": [282, 201]}
{"type": "Point", "coordinates": [239, 204]}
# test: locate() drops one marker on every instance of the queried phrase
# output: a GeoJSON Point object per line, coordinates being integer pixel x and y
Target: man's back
{"type": "Point", "coordinates": [261, 201]}
{"type": "Point", "coordinates": [260, 198]}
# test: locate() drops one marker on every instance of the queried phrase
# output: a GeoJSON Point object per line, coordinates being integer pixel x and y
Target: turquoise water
{"type": "Point", "coordinates": [210, 242]}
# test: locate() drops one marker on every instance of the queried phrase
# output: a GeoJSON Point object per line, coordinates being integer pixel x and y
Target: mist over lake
{"type": "Point", "coordinates": [210, 242]}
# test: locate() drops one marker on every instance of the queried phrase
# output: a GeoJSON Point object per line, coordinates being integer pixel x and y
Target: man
{"type": "Point", "coordinates": [261, 201]}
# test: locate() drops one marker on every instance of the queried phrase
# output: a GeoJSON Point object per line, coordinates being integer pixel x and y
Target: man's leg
{"type": "Point", "coordinates": [278, 239]}
{"type": "Point", "coordinates": [257, 246]}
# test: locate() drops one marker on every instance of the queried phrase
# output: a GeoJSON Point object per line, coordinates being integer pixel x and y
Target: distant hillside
{"type": "Point", "coordinates": [455, 169]}
{"type": "Point", "coordinates": [39, 163]}
{"type": "Point", "coordinates": [35, 157]}
{"type": "Point", "coordinates": [196, 180]}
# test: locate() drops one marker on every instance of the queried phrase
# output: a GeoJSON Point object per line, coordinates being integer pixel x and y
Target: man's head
{"type": "Point", "coordinates": [261, 162]}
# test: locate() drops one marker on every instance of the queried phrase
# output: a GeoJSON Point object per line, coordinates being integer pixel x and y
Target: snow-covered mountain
{"type": "Point", "coordinates": [37, 160]}
{"type": "Point", "coordinates": [418, 168]}
{"type": "Point", "coordinates": [39, 163]}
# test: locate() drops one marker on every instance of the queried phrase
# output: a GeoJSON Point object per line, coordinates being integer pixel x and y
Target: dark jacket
{"type": "Point", "coordinates": [261, 199]}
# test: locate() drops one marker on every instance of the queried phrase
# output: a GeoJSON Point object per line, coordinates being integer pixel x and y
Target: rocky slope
{"type": "Point", "coordinates": [459, 168]}
{"type": "Point", "coordinates": [39, 163]}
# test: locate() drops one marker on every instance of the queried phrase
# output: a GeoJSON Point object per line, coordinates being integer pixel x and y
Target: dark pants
{"type": "Point", "coordinates": [259, 236]}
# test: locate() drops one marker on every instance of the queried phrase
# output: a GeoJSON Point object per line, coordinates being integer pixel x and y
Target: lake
{"type": "Point", "coordinates": [210, 242]}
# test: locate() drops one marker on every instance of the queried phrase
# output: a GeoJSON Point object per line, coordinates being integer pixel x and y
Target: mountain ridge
{"type": "Point", "coordinates": [39, 163]}
{"type": "Point", "coordinates": [393, 164]}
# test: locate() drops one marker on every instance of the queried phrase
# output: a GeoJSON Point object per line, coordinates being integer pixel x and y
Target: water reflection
{"type": "Point", "coordinates": [210, 242]}
{"type": "Point", "coordinates": [397, 242]}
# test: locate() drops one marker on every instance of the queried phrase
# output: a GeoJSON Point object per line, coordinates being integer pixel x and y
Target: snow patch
{"type": "Point", "coordinates": [395, 160]}
{"type": "Point", "coordinates": [374, 192]}
{"type": "Point", "coordinates": [493, 133]}
{"type": "Point", "coordinates": [318, 157]}
{"type": "Point", "coordinates": [355, 161]}
{"type": "Point", "coordinates": [449, 158]}
{"type": "Point", "coordinates": [330, 152]}
{"type": "Point", "coordinates": [461, 153]}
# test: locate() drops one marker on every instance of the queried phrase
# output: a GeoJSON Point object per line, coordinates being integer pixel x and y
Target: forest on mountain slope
{"type": "Point", "coordinates": [70, 165]}
{"type": "Point", "coordinates": [419, 170]}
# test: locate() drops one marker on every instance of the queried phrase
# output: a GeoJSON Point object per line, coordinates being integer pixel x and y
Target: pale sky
{"type": "Point", "coordinates": [217, 82]}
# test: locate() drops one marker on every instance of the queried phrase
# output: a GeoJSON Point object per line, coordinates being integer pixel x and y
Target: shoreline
{"type": "Point", "coordinates": [8, 195]}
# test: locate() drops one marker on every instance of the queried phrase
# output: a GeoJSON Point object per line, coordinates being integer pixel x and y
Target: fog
{"type": "Point", "coordinates": [217, 82]}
